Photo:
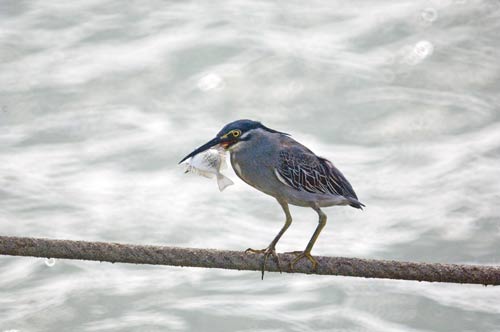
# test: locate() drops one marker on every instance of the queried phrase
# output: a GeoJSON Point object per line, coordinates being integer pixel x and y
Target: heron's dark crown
{"type": "Point", "coordinates": [245, 125]}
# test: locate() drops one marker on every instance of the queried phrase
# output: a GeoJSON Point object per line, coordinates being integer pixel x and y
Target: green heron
{"type": "Point", "coordinates": [276, 164]}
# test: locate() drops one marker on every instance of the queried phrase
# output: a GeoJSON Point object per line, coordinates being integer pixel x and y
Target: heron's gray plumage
{"type": "Point", "coordinates": [287, 169]}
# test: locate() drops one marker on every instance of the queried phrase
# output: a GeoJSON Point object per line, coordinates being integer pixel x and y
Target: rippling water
{"type": "Point", "coordinates": [100, 99]}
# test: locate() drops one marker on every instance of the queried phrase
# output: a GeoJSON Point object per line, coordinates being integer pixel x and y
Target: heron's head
{"type": "Point", "coordinates": [232, 134]}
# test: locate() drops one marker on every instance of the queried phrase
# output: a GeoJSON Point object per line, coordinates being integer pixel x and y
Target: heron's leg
{"type": "Point", "coordinates": [271, 248]}
{"type": "Point", "coordinates": [307, 252]}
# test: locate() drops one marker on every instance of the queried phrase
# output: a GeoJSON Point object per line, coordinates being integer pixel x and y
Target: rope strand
{"type": "Point", "coordinates": [237, 260]}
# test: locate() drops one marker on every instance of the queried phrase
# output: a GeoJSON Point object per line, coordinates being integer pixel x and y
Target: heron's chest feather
{"type": "Point", "coordinates": [237, 168]}
{"type": "Point", "coordinates": [243, 167]}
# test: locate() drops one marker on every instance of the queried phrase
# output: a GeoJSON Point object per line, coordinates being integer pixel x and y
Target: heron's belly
{"type": "Point", "coordinates": [295, 197]}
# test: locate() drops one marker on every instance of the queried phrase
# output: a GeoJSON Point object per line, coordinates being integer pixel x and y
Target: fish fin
{"type": "Point", "coordinates": [223, 181]}
{"type": "Point", "coordinates": [207, 175]}
{"type": "Point", "coordinates": [223, 163]}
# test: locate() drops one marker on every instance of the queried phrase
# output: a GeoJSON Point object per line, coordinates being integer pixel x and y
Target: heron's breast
{"type": "Point", "coordinates": [244, 169]}
{"type": "Point", "coordinates": [236, 167]}
{"type": "Point", "coordinates": [254, 172]}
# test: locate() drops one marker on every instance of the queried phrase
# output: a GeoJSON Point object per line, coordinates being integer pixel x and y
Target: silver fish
{"type": "Point", "coordinates": [209, 163]}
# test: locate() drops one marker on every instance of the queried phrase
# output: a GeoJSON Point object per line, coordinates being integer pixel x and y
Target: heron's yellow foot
{"type": "Point", "coordinates": [300, 255]}
{"type": "Point", "coordinates": [269, 251]}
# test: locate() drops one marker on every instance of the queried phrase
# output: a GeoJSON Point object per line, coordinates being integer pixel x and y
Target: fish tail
{"type": "Point", "coordinates": [223, 181]}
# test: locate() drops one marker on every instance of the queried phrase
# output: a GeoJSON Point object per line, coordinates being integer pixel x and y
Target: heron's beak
{"type": "Point", "coordinates": [204, 147]}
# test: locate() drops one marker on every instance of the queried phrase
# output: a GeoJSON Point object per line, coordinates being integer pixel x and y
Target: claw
{"type": "Point", "coordinates": [255, 251]}
{"type": "Point", "coordinates": [267, 252]}
{"type": "Point", "coordinates": [303, 254]}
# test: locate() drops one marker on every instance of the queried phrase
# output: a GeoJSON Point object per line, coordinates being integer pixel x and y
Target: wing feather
{"type": "Point", "coordinates": [304, 171]}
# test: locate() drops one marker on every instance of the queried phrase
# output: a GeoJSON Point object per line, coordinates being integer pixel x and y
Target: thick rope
{"type": "Point", "coordinates": [237, 260]}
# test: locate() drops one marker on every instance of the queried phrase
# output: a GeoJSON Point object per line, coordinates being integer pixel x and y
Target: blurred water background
{"type": "Point", "coordinates": [99, 100]}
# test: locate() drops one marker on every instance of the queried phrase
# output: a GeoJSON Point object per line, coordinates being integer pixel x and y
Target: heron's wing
{"type": "Point", "coordinates": [304, 171]}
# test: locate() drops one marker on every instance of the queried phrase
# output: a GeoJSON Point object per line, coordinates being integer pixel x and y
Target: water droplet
{"type": "Point", "coordinates": [429, 14]}
{"type": "Point", "coordinates": [423, 49]}
{"type": "Point", "coordinates": [210, 82]}
{"type": "Point", "coordinates": [50, 262]}
{"type": "Point", "coordinates": [418, 53]}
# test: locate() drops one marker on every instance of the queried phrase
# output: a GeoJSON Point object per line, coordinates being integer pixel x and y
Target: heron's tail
{"type": "Point", "coordinates": [355, 203]}
{"type": "Point", "coordinates": [223, 181]}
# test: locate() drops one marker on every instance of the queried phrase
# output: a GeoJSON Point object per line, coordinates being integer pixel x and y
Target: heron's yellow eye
{"type": "Point", "coordinates": [236, 133]}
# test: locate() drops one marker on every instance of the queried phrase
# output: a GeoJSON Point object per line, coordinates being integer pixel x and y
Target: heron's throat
{"type": "Point", "coordinates": [235, 146]}
{"type": "Point", "coordinates": [228, 145]}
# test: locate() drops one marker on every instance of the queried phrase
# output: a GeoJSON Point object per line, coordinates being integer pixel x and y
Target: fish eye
{"type": "Point", "coordinates": [236, 133]}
